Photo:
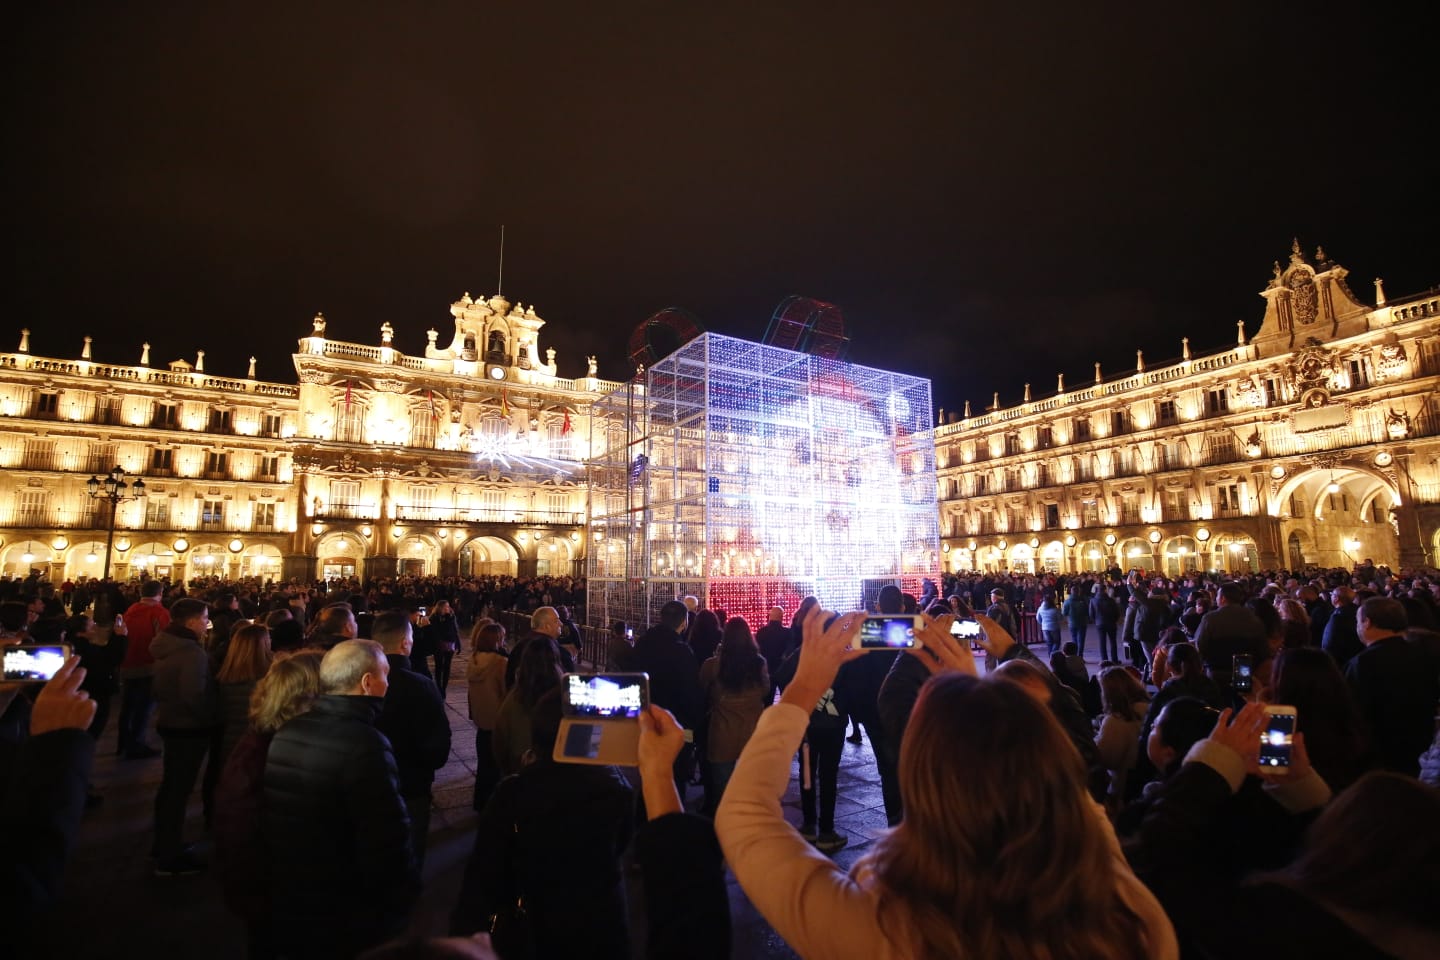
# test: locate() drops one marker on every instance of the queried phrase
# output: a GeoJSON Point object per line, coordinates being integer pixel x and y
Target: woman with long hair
{"type": "Point", "coordinates": [1124, 704]}
{"type": "Point", "coordinates": [537, 673]}
{"type": "Point", "coordinates": [736, 682]}
{"type": "Point", "coordinates": [287, 689]}
{"type": "Point", "coordinates": [247, 658]}
{"type": "Point", "coordinates": [704, 635]}
{"type": "Point", "coordinates": [1294, 623]}
{"type": "Point", "coordinates": [485, 693]}
{"type": "Point", "coordinates": [1307, 679]}
{"type": "Point", "coordinates": [1001, 852]}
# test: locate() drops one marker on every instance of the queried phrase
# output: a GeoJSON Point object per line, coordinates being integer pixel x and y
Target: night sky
{"type": "Point", "coordinates": [990, 196]}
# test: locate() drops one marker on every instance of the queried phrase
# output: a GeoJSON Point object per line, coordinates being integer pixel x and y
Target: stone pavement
{"type": "Point", "coordinates": [113, 905]}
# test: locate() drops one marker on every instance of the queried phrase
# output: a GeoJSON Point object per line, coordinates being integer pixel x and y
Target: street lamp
{"type": "Point", "coordinates": [115, 490]}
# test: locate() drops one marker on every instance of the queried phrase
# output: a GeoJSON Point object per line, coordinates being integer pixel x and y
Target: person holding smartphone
{"type": "Point", "coordinates": [997, 869]}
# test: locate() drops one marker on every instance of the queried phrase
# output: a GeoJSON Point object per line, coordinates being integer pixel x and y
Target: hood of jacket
{"type": "Point", "coordinates": [172, 640]}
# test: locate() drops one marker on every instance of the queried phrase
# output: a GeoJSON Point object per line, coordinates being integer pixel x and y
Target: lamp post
{"type": "Point", "coordinates": [115, 490]}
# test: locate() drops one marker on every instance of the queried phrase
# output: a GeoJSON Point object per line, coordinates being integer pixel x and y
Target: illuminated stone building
{"type": "Point", "coordinates": [468, 458]}
{"type": "Point", "coordinates": [1314, 442]}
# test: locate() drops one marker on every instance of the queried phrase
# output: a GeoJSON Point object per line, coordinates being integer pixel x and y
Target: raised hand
{"type": "Point", "coordinates": [62, 705]}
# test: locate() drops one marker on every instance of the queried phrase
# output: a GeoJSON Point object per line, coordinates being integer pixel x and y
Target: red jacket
{"type": "Point", "coordinates": [143, 622]}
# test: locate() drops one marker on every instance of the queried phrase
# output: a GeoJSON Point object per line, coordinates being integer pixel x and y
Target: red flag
{"type": "Point", "coordinates": [347, 394]}
{"type": "Point", "coordinates": [565, 427]}
{"type": "Point", "coordinates": [431, 397]}
{"type": "Point", "coordinates": [504, 401]}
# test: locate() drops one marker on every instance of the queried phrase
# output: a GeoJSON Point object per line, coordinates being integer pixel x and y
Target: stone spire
{"type": "Point", "coordinates": [1027, 393]}
{"type": "Point", "coordinates": [200, 361]}
{"type": "Point", "coordinates": [1240, 332]}
{"type": "Point", "coordinates": [144, 354]}
{"type": "Point", "coordinates": [251, 373]}
{"type": "Point", "coordinates": [1139, 361]}
{"type": "Point", "coordinates": [1060, 382]}
{"type": "Point", "coordinates": [24, 341]}
{"type": "Point", "coordinates": [1379, 292]}
{"type": "Point", "coordinates": [85, 350]}
{"type": "Point", "coordinates": [966, 414]}
{"type": "Point", "coordinates": [1098, 379]}
{"type": "Point", "coordinates": [1185, 349]}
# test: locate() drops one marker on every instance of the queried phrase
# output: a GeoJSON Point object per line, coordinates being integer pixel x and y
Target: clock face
{"type": "Point", "coordinates": [497, 373]}
{"type": "Point", "coordinates": [1383, 459]}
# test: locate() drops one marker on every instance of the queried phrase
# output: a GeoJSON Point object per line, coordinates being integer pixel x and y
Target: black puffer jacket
{"type": "Point", "coordinates": [336, 831]}
{"type": "Point", "coordinates": [414, 721]}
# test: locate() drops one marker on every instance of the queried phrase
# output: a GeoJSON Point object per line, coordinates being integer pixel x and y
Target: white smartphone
{"type": "Point", "coordinates": [1277, 741]}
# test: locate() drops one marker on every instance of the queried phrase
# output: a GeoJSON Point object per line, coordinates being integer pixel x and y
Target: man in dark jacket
{"type": "Point", "coordinates": [186, 720]}
{"type": "Point", "coordinates": [545, 622]}
{"type": "Point", "coordinates": [1395, 686]}
{"type": "Point", "coordinates": [1341, 638]}
{"type": "Point", "coordinates": [414, 720]}
{"type": "Point", "coordinates": [336, 831]}
{"type": "Point", "coordinates": [773, 639]}
{"type": "Point", "coordinates": [1229, 630]}
{"type": "Point", "coordinates": [674, 676]}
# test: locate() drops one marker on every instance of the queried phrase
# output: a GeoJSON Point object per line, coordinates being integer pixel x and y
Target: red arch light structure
{"type": "Point", "coordinates": [808, 325]}
{"type": "Point", "coordinates": [676, 322]}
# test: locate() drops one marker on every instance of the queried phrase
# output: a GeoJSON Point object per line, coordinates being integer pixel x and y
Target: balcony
{"type": "Point", "coordinates": [417, 513]}
{"type": "Point", "coordinates": [52, 461]}
{"type": "Point", "coordinates": [49, 517]}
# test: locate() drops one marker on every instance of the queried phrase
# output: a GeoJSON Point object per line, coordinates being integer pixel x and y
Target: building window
{"type": "Point", "coordinates": [212, 514]}
{"type": "Point", "coordinates": [1082, 428]}
{"type": "Point", "coordinates": [271, 425]}
{"type": "Point", "coordinates": [1359, 373]}
{"type": "Point", "coordinates": [348, 425]}
{"type": "Point", "coordinates": [1222, 448]}
{"type": "Point", "coordinates": [47, 405]}
{"type": "Point", "coordinates": [157, 512]}
{"type": "Point", "coordinates": [1012, 444]}
{"type": "Point", "coordinates": [1272, 390]}
{"type": "Point", "coordinates": [1228, 495]}
{"type": "Point", "coordinates": [1216, 402]}
{"type": "Point", "coordinates": [219, 421]}
{"type": "Point", "coordinates": [422, 428]}
{"type": "Point", "coordinates": [265, 517]}
{"type": "Point", "coordinates": [1043, 438]}
{"type": "Point", "coordinates": [1120, 422]}
{"type": "Point", "coordinates": [165, 416]}
{"type": "Point", "coordinates": [557, 503]}
{"type": "Point", "coordinates": [1167, 412]}
{"type": "Point", "coordinates": [269, 466]}
{"type": "Point", "coordinates": [1130, 510]}
{"type": "Point", "coordinates": [162, 460]}
{"type": "Point", "coordinates": [982, 484]}
{"type": "Point", "coordinates": [1052, 515]}
{"type": "Point", "coordinates": [1175, 505]}
{"type": "Point", "coordinates": [217, 465]}
{"type": "Point", "coordinates": [34, 508]}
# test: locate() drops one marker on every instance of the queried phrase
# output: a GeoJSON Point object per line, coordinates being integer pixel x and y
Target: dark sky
{"type": "Point", "coordinates": [990, 196]}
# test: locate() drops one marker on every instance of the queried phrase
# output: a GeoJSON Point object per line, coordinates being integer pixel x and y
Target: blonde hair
{"type": "Point", "coordinates": [248, 655]}
{"type": "Point", "coordinates": [1001, 852]}
{"type": "Point", "coordinates": [286, 691]}
{"type": "Point", "coordinates": [1293, 610]}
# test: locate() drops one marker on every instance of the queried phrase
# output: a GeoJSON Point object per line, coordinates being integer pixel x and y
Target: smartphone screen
{"type": "Point", "coordinates": [1277, 741]}
{"type": "Point", "coordinates": [611, 696]}
{"type": "Point", "coordinates": [883, 632]}
{"type": "Point", "coordinates": [1240, 680]}
{"type": "Point", "coordinates": [34, 664]}
{"type": "Point", "coordinates": [964, 629]}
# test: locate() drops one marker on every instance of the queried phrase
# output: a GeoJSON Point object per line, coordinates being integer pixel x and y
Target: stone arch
{"type": "Point", "coordinates": [1321, 477]}
{"type": "Point", "coordinates": [486, 555]}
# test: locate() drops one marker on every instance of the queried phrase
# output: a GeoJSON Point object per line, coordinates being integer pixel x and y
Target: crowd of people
{"type": "Point", "coordinates": [1035, 807]}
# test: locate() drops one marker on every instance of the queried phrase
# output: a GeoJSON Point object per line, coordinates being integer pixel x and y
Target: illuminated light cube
{"type": "Point", "coordinates": [751, 476]}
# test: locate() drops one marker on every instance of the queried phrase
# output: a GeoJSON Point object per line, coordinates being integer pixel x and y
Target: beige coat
{"type": "Point", "coordinates": [486, 688]}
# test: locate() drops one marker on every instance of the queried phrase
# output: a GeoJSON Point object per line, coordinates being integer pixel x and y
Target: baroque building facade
{"type": "Point", "coordinates": [1314, 442]}
{"type": "Point", "coordinates": [469, 459]}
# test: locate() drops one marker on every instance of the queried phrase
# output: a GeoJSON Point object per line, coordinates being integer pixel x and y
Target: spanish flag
{"type": "Point", "coordinates": [347, 394]}
{"type": "Point", "coordinates": [431, 397]}
{"type": "Point", "coordinates": [565, 427]}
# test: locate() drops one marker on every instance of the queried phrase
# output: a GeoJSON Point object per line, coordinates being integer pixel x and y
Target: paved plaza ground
{"type": "Point", "coordinates": [113, 905]}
